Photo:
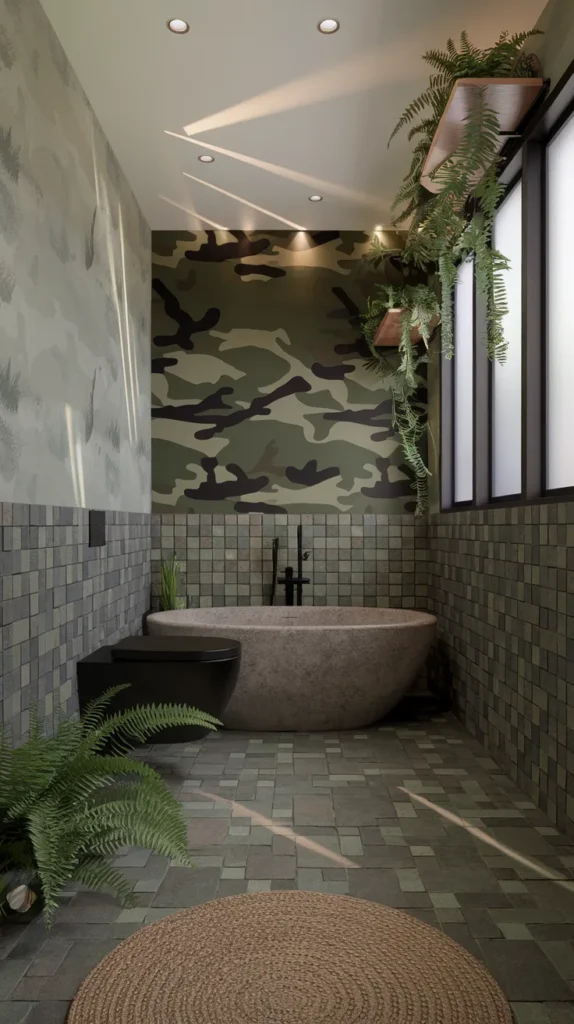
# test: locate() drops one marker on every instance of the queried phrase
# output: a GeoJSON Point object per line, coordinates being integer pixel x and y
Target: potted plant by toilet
{"type": "Point", "coordinates": [169, 599]}
{"type": "Point", "coordinates": [70, 801]}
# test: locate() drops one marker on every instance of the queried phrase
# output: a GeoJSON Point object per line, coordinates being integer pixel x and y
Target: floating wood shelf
{"type": "Point", "coordinates": [509, 98]}
{"type": "Point", "coordinates": [388, 333]}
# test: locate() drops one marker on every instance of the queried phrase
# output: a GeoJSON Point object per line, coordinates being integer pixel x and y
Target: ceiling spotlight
{"type": "Point", "coordinates": [178, 25]}
{"type": "Point", "coordinates": [378, 227]}
{"type": "Point", "coordinates": [328, 26]}
{"type": "Point", "coordinates": [205, 158]}
{"type": "Point", "coordinates": [315, 199]}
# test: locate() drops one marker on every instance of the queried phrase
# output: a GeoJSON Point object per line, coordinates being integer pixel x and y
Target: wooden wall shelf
{"type": "Point", "coordinates": [388, 334]}
{"type": "Point", "coordinates": [509, 98]}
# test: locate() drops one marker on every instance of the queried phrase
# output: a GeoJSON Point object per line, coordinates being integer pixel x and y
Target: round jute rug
{"type": "Point", "coordinates": [289, 958]}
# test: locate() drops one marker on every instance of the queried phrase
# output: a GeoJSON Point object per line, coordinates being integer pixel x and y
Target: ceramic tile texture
{"type": "Point", "coordinates": [61, 599]}
{"type": "Point", "coordinates": [338, 813]}
{"type": "Point", "coordinates": [502, 585]}
{"type": "Point", "coordinates": [363, 560]}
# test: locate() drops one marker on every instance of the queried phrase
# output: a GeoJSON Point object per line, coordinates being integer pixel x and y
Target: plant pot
{"type": "Point", "coordinates": [11, 915]}
{"type": "Point", "coordinates": [509, 98]}
{"type": "Point", "coordinates": [388, 333]}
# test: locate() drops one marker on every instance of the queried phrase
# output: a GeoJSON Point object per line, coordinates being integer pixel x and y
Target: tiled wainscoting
{"type": "Point", "coordinates": [502, 585]}
{"type": "Point", "coordinates": [364, 560]}
{"type": "Point", "coordinates": [60, 599]}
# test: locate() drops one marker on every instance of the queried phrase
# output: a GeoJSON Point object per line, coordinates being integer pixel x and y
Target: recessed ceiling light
{"type": "Point", "coordinates": [178, 25]}
{"type": "Point", "coordinates": [328, 26]}
{"type": "Point", "coordinates": [205, 158]}
{"type": "Point", "coordinates": [379, 227]}
{"type": "Point", "coordinates": [315, 199]}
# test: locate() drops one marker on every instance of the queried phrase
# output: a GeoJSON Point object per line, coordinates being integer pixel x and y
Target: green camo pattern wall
{"type": "Point", "coordinates": [260, 397]}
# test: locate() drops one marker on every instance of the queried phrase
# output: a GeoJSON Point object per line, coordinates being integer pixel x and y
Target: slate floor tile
{"type": "Point", "coordinates": [266, 865]}
{"type": "Point", "coordinates": [16, 1013]}
{"type": "Point", "coordinates": [313, 810]}
{"type": "Point", "coordinates": [524, 972]}
{"type": "Point", "coordinates": [342, 792]}
{"type": "Point", "coordinates": [11, 972]}
{"type": "Point", "coordinates": [186, 887]}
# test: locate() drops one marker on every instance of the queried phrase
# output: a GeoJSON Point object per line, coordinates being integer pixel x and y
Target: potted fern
{"type": "Point", "coordinates": [70, 801]}
{"type": "Point", "coordinates": [450, 204]}
{"type": "Point", "coordinates": [170, 582]}
{"type": "Point", "coordinates": [400, 369]}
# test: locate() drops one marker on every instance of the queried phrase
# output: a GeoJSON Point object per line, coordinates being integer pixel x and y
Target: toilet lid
{"type": "Point", "coordinates": [176, 648]}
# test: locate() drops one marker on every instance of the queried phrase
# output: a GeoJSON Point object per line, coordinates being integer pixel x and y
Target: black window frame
{"type": "Point", "coordinates": [522, 158]}
{"type": "Point", "coordinates": [492, 499]}
{"type": "Point", "coordinates": [469, 502]}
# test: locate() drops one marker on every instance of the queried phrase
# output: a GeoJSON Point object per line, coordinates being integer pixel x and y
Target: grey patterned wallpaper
{"type": "Point", "coordinates": [74, 288]}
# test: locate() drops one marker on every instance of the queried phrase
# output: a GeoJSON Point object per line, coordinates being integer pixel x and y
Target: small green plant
{"type": "Point", "coordinates": [170, 578]}
{"type": "Point", "coordinates": [400, 368]}
{"type": "Point", "coordinates": [70, 801]}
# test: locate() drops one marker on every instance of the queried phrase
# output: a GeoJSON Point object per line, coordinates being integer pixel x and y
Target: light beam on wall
{"type": "Point", "coordinates": [308, 180]}
{"type": "Point", "coordinates": [194, 213]}
{"type": "Point", "coordinates": [247, 202]}
{"type": "Point", "coordinates": [105, 204]}
{"type": "Point", "coordinates": [76, 463]}
{"type": "Point", "coordinates": [131, 384]}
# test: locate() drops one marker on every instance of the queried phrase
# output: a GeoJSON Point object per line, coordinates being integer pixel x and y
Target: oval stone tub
{"type": "Point", "coordinates": [312, 668]}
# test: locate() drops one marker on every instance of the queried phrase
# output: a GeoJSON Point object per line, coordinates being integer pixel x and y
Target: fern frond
{"type": "Point", "coordinates": [134, 725]}
{"type": "Point", "coordinates": [53, 848]}
{"type": "Point", "coordinates": [99, 875]}
{"type": "Point", "coordinates": [65, 808]}
{"type": "Point", "coordinates": [416, 107]}
{"type": "Point", "coordinates": [95, 712]}
{"type": "Point", "coordinates": [400, 371]}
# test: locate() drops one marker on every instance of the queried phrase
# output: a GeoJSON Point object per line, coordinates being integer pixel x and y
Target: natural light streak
{"type": "Point", "coordinates": [193, 213]}
{"type": "Point", "coordinates": [359, 73]}
{"type": "Point", "coordinates": [278, 830]}
{"type": "Point", "coordinates": [477, 833]}
{"type": "Point", "coordinates": [247, 202]}
{"type": "Point", "coordinates": [104, 206]}
{"type": "Point", "coordinates": [315, 184]}
{"type": "Point", "coordinates": [76, 464]}
{"type": "Point", "coordinates": [130, 361]}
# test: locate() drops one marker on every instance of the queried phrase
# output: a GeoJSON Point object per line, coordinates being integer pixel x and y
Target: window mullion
{"type": "Point", "coordinates": [533, 327]}
{"type": "Point", "coordinates": [481, 433]}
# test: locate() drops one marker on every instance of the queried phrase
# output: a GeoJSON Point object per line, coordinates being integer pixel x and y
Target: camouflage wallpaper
{"type": "Point", "coordinates": [260, 398]}
{"type": "Point", "coordinates": [74, 289]}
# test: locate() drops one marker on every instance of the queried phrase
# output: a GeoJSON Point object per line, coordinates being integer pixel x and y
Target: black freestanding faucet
{"type": "Point", "coordinates": [289, 580]}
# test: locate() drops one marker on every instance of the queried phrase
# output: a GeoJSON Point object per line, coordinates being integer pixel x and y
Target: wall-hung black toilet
{"type": "Point", "coordinates": [194, 670]}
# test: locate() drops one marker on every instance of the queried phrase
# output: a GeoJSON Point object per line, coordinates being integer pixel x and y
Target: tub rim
{"type": "Point", "coordinates": [419, 620]}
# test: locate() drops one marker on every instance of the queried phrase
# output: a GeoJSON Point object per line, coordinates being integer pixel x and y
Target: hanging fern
{"type": "Point", "coordinates": [66, 808]}
{"type": "Point", "coordinates": [400, 369]}
{"type": "Point", "coordinates": [440, 233]}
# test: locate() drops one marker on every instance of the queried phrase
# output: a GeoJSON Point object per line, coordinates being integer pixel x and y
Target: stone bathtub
{"type": "Point", "coordinates": [312, 668]}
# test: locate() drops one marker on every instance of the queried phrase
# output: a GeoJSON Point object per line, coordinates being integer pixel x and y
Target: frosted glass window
{"type": "Point", "coordinates": [560, 293]}
{"type": "Point", "coordinates": [463, 382]}
{"type": "Point", "coordinates": [507, 376]}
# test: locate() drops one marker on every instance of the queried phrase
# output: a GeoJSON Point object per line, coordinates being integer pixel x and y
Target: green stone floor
{"type": "Point", "coordinates": [338, 813]}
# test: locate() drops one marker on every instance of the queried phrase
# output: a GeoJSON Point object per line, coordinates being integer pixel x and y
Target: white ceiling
{"type": "Point", "coordinates": [323, 106]}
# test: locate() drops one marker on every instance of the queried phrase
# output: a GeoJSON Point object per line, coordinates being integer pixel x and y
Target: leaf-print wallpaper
{"type": "Point", "coordinates": [74, 288]}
